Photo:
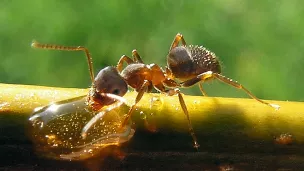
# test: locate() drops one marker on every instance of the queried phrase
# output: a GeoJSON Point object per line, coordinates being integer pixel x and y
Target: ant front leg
{"type": "Point", "coordinates": [140, 94]}
{"type": "Point", "coordinates": [128, 60]}
{"type": "Point", "coordinates": [123, 58]}
{"type": "Point", "coordinates": [209, 75]}
{"type": "Point", "coordinates": [102, 112]}
{"type": "Point", "coordinates": [179, 37]}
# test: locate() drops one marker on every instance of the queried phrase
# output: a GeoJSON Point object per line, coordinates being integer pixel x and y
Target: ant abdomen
{"type": "Point", "coordinates": [186, 62]}
{"type": "Point", "coordinates": [194, 64]}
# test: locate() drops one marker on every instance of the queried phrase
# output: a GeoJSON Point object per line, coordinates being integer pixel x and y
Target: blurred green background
{"type": "Point", "coordinates": [260, 43]}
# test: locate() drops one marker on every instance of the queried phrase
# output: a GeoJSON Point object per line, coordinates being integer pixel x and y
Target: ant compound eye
{"type": "Point", "coordinates": [116, 92]}
{"type": "Point", "coordinates": [108, 80]}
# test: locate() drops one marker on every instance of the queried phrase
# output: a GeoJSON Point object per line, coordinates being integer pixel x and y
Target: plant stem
{"type": "Point", "coordinates": [231, 123]}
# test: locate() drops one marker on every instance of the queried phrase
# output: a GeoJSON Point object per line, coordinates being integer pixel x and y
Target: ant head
{"type": "Point", "coordinates": [108, 80]}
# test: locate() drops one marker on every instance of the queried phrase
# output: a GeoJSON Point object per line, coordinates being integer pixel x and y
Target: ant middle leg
{"type": "Point", "coordinates": [172, 92]}
{"type": "Point", "coordinates": [179, 37]}
{"type": "Point", "coordinates": [209, 75]}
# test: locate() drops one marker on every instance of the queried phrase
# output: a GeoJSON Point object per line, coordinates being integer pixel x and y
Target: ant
{"type": "Point", "coordinates": [194, 64]}
{"type": "Point", "coordinates": [109, 86]}
{"type": "Point", "coordinates": [143, 77]}
{"type": "Point", "coordinates": [190, 64]}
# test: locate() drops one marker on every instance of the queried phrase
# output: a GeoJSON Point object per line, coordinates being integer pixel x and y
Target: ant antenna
{"type": "Point", "coordinates": [103, 112]}
{"type": "Point", "coordinates": [35, 44]}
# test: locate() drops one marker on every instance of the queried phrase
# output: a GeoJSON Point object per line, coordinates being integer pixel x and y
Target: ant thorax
{"type": "Point", "coordinates": [135, 74]}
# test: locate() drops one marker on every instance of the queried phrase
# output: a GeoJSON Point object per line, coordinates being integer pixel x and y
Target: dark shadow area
{"type": "Point", "coordinates": [220, 149]}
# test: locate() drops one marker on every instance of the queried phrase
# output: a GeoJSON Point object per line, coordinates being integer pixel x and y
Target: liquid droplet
{"type": "Point", "coordinates": [143, 115]}
{"type": "Point", "coordinates": [56, 130]}
{"type": "Point", "coordinates": [156, 102]}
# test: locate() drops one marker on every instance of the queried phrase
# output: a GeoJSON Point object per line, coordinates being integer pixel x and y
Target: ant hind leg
{"type": "Point", "coordinates": [202, 89]}
{"type": "Point", "coordinates": [209, 74]}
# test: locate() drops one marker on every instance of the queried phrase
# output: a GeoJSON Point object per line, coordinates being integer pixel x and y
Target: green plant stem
{"type": "Point", "coordinates": [219, 123]}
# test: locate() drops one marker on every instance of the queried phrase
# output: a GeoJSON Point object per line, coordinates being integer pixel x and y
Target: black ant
{"type": "Point", "coordinates": [194, 64]}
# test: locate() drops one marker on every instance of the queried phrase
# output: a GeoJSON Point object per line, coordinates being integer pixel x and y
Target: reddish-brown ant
{"type": "Point", "coordinates": [111, 82]}
{"type": "Point", "coordinates": [142, 78]}
{"type": "Point", "coordinates": [191, 64]}
{"type": "Point", "coordinates": [195, 64]}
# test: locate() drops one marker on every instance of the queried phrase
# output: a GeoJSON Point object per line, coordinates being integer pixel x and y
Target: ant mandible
{"type": "Point", "coordinates": [194, 64]}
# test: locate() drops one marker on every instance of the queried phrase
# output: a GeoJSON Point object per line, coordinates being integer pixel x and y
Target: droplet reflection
{"type": "Point", "coordinates": [56, 130]}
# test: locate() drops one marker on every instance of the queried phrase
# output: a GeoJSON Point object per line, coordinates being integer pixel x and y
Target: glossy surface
{"type": "Point", "coordinates": [56, 130]}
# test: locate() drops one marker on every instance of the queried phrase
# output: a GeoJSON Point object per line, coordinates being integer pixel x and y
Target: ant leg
{"type": "Point", "coordinates": [202, 89]}
{"type": "Point", "coordinates": [178, 37]}
{"type": "Point", "coordinates": [136, 57]}
{"type": "Point", "coordinates": [209, 74]}
{"type": "Point", "coordinates": [128, 60]}
{"type": "Point", "coordinates": [171, 83]}
{"type": "Point", "coordinates": [68, 48]}
{"type": "Point", "coordinates": [185, 110]}
{"type": "Point", "coordinates": [100, 115]}
{"type": "Point", "coordinates": [184, 107]}
{"type": "Point", "coordinates": [140, 94]}
{"type": "Point", "coordinates": [172, 92]}
{"type": "Point", "coordinates": [123, 58]}
{"type": "Point", "coordinates": [239, 86]}
{"type": "Point", "coordinates": [169, 73]}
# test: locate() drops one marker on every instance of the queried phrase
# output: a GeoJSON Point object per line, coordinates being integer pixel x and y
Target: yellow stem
{"type": "Point", "coordinates": [235, 122]}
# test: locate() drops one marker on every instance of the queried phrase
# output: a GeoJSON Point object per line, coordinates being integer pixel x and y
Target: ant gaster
{"type": "Point", "coordinates": [194, 64]}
